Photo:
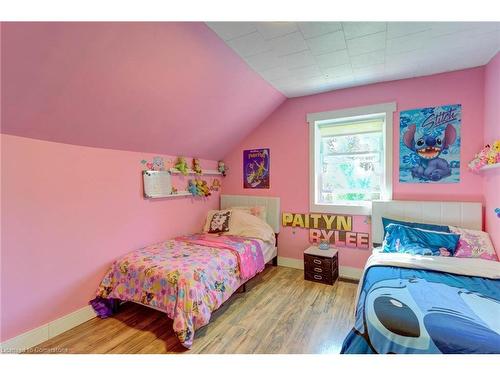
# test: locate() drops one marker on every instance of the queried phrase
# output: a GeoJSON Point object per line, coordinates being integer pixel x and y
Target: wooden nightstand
{"type": "Point", "coordinates": [321, 266]}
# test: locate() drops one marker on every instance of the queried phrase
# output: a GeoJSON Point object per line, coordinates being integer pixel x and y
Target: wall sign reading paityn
{"type": "Point", "coordinates": [256, 165]}
{"type": "Point", "coordinates": [335, 229]}
{"type": "Point", "coordinates": [430, 145]}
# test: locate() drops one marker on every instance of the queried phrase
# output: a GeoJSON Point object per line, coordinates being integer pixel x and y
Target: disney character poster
{"type": "Point", "coordinates": [256, 168]}
{"type": "Point", "coordinates": [429, 149]}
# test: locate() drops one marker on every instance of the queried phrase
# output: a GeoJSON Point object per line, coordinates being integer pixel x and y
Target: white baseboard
{"type": "Point", "coordinates": [350, 273]}
{"type": "Point", "coordinates": [47, 331]}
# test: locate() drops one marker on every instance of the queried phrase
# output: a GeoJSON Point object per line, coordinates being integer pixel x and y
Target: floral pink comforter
{"type": "Point", "coordinates": [188, 278]}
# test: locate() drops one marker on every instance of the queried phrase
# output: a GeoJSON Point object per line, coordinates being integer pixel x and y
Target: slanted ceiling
{"type": "Point", "coordinates": [170, 88]}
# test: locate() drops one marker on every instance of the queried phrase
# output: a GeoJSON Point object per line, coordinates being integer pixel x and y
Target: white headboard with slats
{"type": "Point", "coordinates": [272, 205]}
{"type": "Point", "coordinates": [461, 214]}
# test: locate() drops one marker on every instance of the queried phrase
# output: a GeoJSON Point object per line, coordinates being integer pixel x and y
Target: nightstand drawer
{"type": "Point", "coordinates": [320, 278]}
{"type": "Point", "coordinates": [315, 261]}
{"type": "Point", "coordinates": [311, 268]}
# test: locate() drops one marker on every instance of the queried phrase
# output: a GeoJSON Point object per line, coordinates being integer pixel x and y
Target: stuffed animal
{"type": "Point", "coordinates": [221, 167]}
{"type": "Point", "coordinates": [487, 156]}
{"type": "Point", "coordinates": [197, 166]}
{"type": "Point", "coordinates": [205, 189]}
{"type": "Point", "coordinates": [199, 191]}
{"type": "Point", "coordinates": [158, 164]}
{"type": "Point", "coordinates": [181, 166]}
{"type": "Point", "coordinates": [215, 185]}
{"type": "Point", "coordinates": [192, 188]}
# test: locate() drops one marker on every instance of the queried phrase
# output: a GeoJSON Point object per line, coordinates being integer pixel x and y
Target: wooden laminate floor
{"type": "Point", "coordinates": [279, 313]}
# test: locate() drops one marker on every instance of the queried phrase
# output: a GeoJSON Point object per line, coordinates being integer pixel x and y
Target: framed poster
{"type": "Point", "coordinates": [429, 150]}
{"type": "Point", "coordinates": [256, 168]}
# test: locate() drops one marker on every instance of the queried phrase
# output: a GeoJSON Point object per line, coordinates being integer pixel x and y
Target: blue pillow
{"type": "Point", "coordinates": [403, 239]}
{"type": "Point", "coordinates": [438, 228]}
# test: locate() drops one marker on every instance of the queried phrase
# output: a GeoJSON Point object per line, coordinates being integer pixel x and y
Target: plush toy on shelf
{"type": "Point", "coordinates": [192, 188]}
{"type": "Point", "coordinates": [221, 167]}
{"type": "Point", "coordinates": [487, 156]}
{"type": "Point", "coordinates": [181, 166]}
{"type": "Point", "coordinates": [205, 189]}
{"type": "Point", "coordinates": [197, 166]}
{"type": "Point", "coordinates": [215, 185]}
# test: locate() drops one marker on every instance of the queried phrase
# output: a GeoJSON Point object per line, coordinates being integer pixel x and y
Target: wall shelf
{"type": "Point", "coordinates": [190, 171]}
{"type": "Point", "coordinates": [490, 166]}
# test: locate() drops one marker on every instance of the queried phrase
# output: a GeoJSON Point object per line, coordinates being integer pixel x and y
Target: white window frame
{"type": "Point", "coordinates": [313, 119]}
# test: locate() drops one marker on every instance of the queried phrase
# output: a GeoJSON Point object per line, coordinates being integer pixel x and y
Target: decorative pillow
{"type": "Point", "coordinates": [435, 227]}
{"type": "Point", "coordinates": [474, 244]}
{"type": "Point", "coordinates": [219, 222]}
{"type": "Point", "coordinates": [245, 225]}
{"type": "Point", "coordinates": [403, 239]}
{"type": "Point", "coordinates": [259, 211]}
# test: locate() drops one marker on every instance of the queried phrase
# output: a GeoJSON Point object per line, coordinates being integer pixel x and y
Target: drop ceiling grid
{"type": "Point", "coordinates": [309, 57]}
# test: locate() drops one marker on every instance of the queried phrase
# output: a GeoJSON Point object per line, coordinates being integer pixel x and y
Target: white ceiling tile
{"type": "Point", "coordinates": [398, 29]}
{"type": "Point", "coordinates": [306, 72]}
{"type": "Point", "coordinates": [445, 28]}
{"type": "Point", "coordinates": [270, 30]}
{"type": "Point", "coordinates": [298, 59]}
{"type": "Point", "coordinates": [367, 59]}
{"type": "Point", "coordinates": [358, 29]}
{"type": "Point", "coordinates": [366, 44]}
{"type": "Point", "coordinates": [327, 43]}
{"type": "Point", "coordinates": [250, 44]}
{"type": "Point", "coordinates": [339, 71]}
{"type": "Point", "coordinates": [333, 59]}
{"type": "Point", "coordinates": [230, 30]}
{"type": "Point", "coordinates": [408, 42]}
{"type": "Point", "coordinates": [289, 43]}
{"type": "Point", "coordinates": [265, 60]}
{"type": "Point", "coordinates": [275, 73]}
{"type": "Point", "coordinates": [312, 29]}
{"type": "Point", "coordinates": [369, 71]}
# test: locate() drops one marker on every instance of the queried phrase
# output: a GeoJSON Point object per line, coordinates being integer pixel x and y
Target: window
{"type": "Point", "coordinates": [351, 159]}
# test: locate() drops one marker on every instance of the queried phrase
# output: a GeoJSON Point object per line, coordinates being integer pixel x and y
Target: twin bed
{"type": "Point", "coordinates": [191, 276]}
{"type": "Point", "coordinates": [426, 303]}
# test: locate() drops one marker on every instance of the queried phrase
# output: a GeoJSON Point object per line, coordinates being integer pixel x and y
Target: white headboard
{"type": "Point", "coordinates": [272, 205]}
{"type": "Point", "coordinates": [461, 214]}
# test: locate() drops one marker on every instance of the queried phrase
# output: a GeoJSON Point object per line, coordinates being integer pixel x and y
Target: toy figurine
{"type": "Point", "coordinates": [174, 190]}
{"type": "Point", "coordinates": [215, 185]}
{"type": "Point", "coordinates": [158, 164]}
{"type": "Point", "coordinates": [489, 155]}
{"type": "Point", "coordinates": [197, 166]}
{"type": "Point", "coordinates": [205, 189]}
{"type": "Point", "coordinates": [192, 188]}
{"type": "Point", "coordinates": [221, 167]}
{"type": "Point", "coordinates": [181, 166]}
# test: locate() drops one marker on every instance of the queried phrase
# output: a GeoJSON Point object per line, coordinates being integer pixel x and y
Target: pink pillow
{"type": "Point", "coordinates": [474, 244]}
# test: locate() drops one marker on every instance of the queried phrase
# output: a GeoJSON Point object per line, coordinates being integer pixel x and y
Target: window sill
{"type": "Point", "coordinates": [343, 208]}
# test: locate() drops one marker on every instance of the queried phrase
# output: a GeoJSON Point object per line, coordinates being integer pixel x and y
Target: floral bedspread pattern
{"type": "Point", "coordinates": [188, 278]}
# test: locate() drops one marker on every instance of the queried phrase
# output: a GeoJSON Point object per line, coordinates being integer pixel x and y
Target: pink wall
{"type": "Point", "coordinates": [161, 87]}
{"type": "Point", "coordinates": [67, 212]}
{"type": "Point", "coordinates": [285, 132]}
{"type": "Point", "coordinates": [492, 133]}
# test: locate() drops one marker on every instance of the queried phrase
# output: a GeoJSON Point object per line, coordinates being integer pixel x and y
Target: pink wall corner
{"type": "Point", "coordinates": [285, 132]}
{"type": "Point", "coordinates": [492, 133]}
{"type": "Point", "coordinates": [67, 213]}
{"type": "Point", "coordinates": [160, 87]}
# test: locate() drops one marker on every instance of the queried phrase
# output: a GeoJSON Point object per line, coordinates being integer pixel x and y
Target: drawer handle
{"type": "Point", "coordinates": [317, 261]}
{"type": "Point", "coordinates": [318, 277]}
{"type": "Point", "coordinates": [317, 269]}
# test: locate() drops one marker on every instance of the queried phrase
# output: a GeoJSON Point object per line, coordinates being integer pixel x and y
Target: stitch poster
{"type": "Point", "coordinates": [429, 150]}
{"type": "Point", "coordinates": [256, 168]}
